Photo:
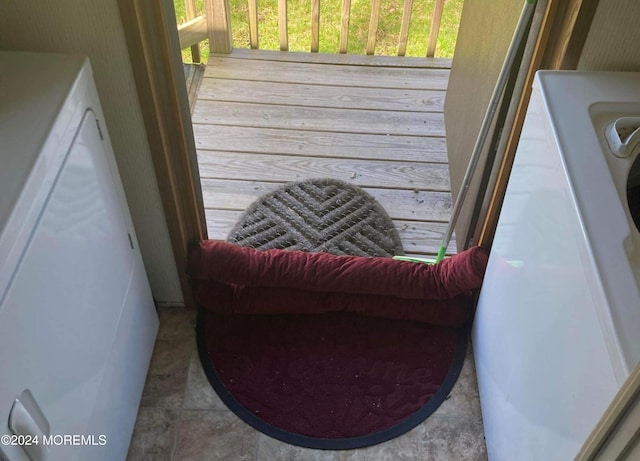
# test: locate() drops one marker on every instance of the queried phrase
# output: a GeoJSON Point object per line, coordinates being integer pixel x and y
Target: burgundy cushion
{"type": "Point", "coordinates": [232, 279]}
{"type": "Point", "coordinates": [234, 299]}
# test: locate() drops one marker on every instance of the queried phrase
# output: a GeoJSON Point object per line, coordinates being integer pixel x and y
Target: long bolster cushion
{"type": "Point", "coordinates": [236, 299]}
{"type": "Point", "coordinates": [213, 260]}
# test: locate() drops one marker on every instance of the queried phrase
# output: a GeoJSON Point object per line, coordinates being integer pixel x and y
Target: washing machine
{"type": "Point", "coordinates": [77, 319]}
{"type": "Point", "coordinates": [556, 328]}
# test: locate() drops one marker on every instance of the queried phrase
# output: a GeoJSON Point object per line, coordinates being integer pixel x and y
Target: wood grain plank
{"type": "Point", "coordinates": [363, 173]}
{"type": "Point", "coordinates": [413, 204]}
{"type": "Point", "coordinates": [436, 19]}
{"type": "Point", "coordinates": [193, 78]}
{"type": "Point", "coordinates": [218, 15]}
{"type": "Point", "coordinates": [418, 238]}
{"type": "Point", "coordinates": [312, 143]}
{"type": "Point", "coordinates": [330, 75]}
{"type": "Point", "coordinates": [404, 28]}
{"type": "Point", "coordinates": [345, 19]}
{"type": "Point", "coordinates": [283, 26]}
{"type": "Point", "coordinates": [373, 27]}
{"type": "Point", "coordinates": [192, 32]}
{"type": "Point", "coordinates": [315, 25]}
{"type": "Point", "coordinates": [319, 119]}
{"type": "Point", "coordinates": [338, 59]}
{"type": "Point", "coordinates": [253, 24]}
{"type": "Point", "coordinates": [220, 222]}
{"type": "Point", "coordinates": [321, 96]}
{"type": "Point", "coordinates": [190, 10]}
{"type": "Point", "coordinates": [422, 237]}
{"type": "Point", "coordinates": [233, 194]}
{"type": "Point", "coordinates": [228, 194]}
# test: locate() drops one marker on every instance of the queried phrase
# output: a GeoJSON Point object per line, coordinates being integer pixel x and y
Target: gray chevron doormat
{"type": "Point", "coordinates": [318, 215]}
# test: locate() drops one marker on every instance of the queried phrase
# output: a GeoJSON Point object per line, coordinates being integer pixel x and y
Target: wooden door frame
{"type": "Point", "coordinates": [616, 435]}
{"type": "Point", "coordinates": [154, 51]}
{"type": "Point", "coordinates": [153, 46]}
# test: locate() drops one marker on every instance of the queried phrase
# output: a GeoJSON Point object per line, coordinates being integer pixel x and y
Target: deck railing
{"type": "Point", "coordinates": [215, 25]}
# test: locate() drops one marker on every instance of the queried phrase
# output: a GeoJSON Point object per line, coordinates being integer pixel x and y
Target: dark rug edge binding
{"type": "Point", "coordinates": [385, 435]}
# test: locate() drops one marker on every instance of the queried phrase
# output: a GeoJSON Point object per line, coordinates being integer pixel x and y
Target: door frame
{"type": "Point", "coordinates": [154, 51]}
{"type": "Point", "coordinates": [152, 40]}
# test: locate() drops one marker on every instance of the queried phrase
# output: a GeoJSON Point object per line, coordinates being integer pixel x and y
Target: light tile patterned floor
{"type": "Point", "coordinates": [182, 419]}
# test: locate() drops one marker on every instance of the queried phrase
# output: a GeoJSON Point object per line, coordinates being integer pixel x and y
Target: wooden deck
{"type": "Point", "coordinates": [263, 118]}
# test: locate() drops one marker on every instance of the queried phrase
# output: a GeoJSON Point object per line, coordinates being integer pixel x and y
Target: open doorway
{"type": "Point", "coordinates": [153, 44]}
{"type": "Point", "coordinates": [264, 118]}
{"type": "Point", "coordinates": [266, 446]}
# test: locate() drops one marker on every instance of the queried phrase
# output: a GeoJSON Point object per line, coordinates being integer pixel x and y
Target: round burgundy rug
{"type": "Point", "coordinates": [334, 380]}
{"type": "Point", "coordinates": [329, 381]}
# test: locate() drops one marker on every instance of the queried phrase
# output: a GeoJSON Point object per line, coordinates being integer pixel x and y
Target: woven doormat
{"type": "Point", "coordinates": [318, 215]}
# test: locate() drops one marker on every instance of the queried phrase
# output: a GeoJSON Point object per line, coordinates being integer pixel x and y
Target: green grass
{"type": "Point", "coordinates": [299, 19]}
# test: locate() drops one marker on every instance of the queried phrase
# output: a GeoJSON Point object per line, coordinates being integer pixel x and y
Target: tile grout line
{"type": "Point", "coordinates": [256, 455]}
{"type": "Point", "coordinates": [181, 410]}
{"type": "Point", "coordinates": [175, 438]}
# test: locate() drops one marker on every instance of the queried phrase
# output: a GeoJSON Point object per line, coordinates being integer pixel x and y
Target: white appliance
{"type": "Point", "coordinates": [77, 320]}
{"type": "Point", "coordinates": [557, 328]}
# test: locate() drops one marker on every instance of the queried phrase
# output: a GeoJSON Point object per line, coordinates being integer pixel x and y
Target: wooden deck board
{"type": "Point", "coordinates": [412, 205]}
{"type": "Point", "coordinates": [193, 74]}
{"type": "Point", "coordinates": [418, 237]}
{"type": "Point", "coordinates": [296, 94]}
{"type": "Point", "coordinates": [363, 173]}
{"type": "Point", "coordinates": [319, 144]}
{"type": "Point", "coordinates": [327, 74]}
{"type": "Point", "coordinates": [266, 118]}
{"type": "Point", "coordinates": [339, 59]}
{"type": "Point", "coordinates": [319, 119]}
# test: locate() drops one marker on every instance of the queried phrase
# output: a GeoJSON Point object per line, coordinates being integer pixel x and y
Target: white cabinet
{"type": "Point", "coordinates": [77, 320]}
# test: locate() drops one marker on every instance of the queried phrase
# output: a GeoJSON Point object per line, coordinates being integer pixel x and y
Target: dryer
{"type": "Point", "coordinates": [77, 319]}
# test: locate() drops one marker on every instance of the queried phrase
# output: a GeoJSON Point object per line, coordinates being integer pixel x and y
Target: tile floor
{"type": "Point", "coordinates": [182, 419]}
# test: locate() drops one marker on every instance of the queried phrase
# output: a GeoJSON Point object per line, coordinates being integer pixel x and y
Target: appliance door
{"type": "Point", "coordinates": [59, 316]}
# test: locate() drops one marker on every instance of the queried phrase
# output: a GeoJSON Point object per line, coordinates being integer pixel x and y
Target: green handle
{"type": "Point", "coordinates": [414, 259]}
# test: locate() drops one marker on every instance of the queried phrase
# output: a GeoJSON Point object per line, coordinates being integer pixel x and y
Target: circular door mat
{"type": "Point", "coordinates": [333, 381]}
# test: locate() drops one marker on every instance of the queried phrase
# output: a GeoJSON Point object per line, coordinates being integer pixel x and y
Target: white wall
{"type": "Point", "coordinates": [613, 42]}
{"type": "Point", "coordinates": [93, 28]}
{"type": "Point", "coordinates": [486, 30]}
